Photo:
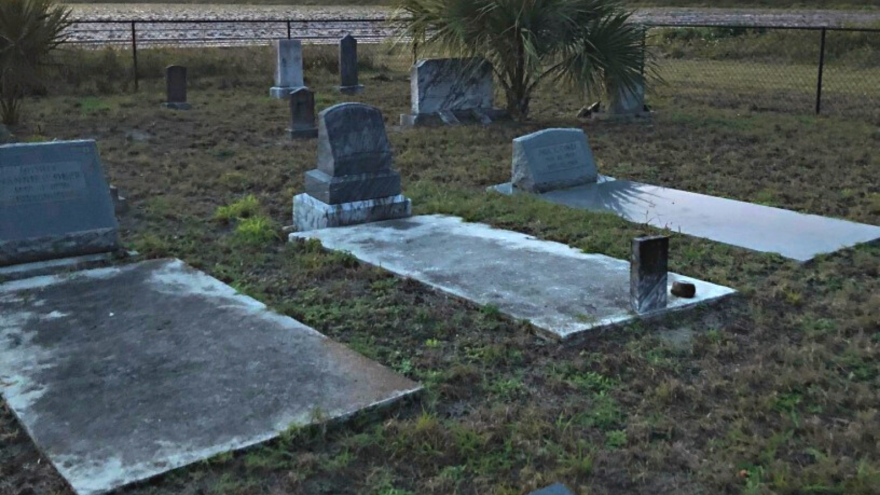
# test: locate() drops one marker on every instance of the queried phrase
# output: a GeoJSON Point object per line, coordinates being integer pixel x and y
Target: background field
{"type": "Point", "coordinates": [773, 392]}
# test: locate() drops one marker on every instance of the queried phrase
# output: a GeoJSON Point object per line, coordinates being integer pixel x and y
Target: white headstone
{"type": "Point", "coordinates": [451, 84]}
{"type": "Point", "coordinates": [288, 68]}
{"type": "Point", "coordinates": [552, 159]}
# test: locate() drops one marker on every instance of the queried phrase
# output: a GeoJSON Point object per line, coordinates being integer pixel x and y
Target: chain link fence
{"type": "Point", "coordinates": [800, 70]}
{"type": "Point", "coordinates": [782, 69]}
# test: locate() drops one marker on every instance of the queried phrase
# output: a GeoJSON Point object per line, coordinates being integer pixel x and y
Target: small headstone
{"type": "Point", "coordinates": [552, 159]}
{"type": "Point", "coordinates": [175, 82]}
{"type": "Point", "coordinates": [302, 114]}
{"type": "Point", "coordinates": [6, 135]}
{"type": "Point", "coordinates": [120, 202]}
{"type": "Point", "coordinates": [459, 87]}
{"type": "Point", "coordinates": [288, 68]}
{"type": "Point", "coordinates": [628, 102]}
{"type": "Point", "coordinates": [554, 489]}
{"type": "Point", "coordinates": [649, 273]}
{"type": "Point", "coordinates": [55, 202]}
{"type": "Point", "coordinates": [354, 182]}
{"type": "Point", "coordinates": [348, 66]}
{"type": "Point", "coordinates": [686, 290]}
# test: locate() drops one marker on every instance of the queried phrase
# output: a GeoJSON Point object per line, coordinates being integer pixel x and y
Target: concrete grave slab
{"type": "Point", "coordinates": [766, 229]}
{"type": "Point", "coordinates": [120, 374]}
{"type": "Point", "coordinates": [560, 290]}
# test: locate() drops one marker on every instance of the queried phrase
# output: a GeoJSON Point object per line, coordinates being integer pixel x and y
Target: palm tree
{"type": "Point", "coordinates": [589, 45]}
{"type": "Point", "coordinates": [29, 30]}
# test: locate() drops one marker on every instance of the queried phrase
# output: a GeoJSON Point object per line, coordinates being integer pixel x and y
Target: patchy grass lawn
{"type": "Point", "coordinates": [773, 392]}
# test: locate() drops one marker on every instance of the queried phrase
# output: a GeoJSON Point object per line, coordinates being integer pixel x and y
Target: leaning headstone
{"type": "Point", "coordinates": [55, 202]}
{"type": "Point", "coordinates": [288, 68]}
{"type": "Point", "coordinates": [354, 182]}
{"type": "Point", "coordinates": [175, 83]}
{"type": "Point", "coordinates": [552, 159]}
{"type": "Point", "coordinates": [302, 114]}
{"type": "Point", "coordinates": [348, 66]}
{"type": "Point", "coordinates": [554, 489]}
{"type": "Point", "coordinates": [649, 273]}
{"type": "Point", "coordinates": [451, 91]}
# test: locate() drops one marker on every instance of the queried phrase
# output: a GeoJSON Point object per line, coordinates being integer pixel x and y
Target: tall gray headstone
{"type": "Point", "coordinates": [451, 91]}
{"type": "Point", "coordinates": [302, 114]}
{"type": "Point", "coordinates": [552, 159]}
{"type": "Point", "coordinates": [55, 202]}
{"type": "Point", "coordinates": [175, 85]}
{"type": "Point", "coordinates": [354, 182]}
{"type": "Point", "coordinates": [348, 66]}
{"type": "Point", "coordinates": [648, 273]}
{"type": "Point", "coordinates": [288, 68]}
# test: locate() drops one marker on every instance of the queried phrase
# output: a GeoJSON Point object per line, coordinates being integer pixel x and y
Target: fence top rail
{"type": "Point", "coordinates": [761, 26]}
{"type": "Point", "coordinates": [223, 21]}
{"type": "Point", "coordinates": [390, 20]}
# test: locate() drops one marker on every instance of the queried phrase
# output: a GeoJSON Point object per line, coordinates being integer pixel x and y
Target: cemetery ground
{"type": "Point", "coordinates": [774, 391]}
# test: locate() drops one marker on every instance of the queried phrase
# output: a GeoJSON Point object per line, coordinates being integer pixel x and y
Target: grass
{"type": "Point", "coordinates": [776, 392]}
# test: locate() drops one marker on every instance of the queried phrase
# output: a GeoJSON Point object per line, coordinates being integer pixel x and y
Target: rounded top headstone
{"type": "Point", "coordinates": [352, 140]}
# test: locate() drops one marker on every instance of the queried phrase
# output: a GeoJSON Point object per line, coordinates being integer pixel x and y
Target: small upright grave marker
{"type": "Point", "coordinates": [175, 84]}
{"type": "Point", "coordinates": [302, 114]}
{"type": "Point", "coordinates": [649, 273]}
{"type": "Point", "coordinates": [55, 202]}
{"type": "Point", "coordinates": [552, 159]}
{"type": "Point", "coordinates": [288, 68]}
{"type": "Point", "coordinates": [354, 182]}
{"type": "Point", "coordinates": [348, 66]}
{"type": "Point", "coordinates": [451, 91]}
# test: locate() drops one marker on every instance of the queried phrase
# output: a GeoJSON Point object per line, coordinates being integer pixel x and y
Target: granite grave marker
{"type": "Point", "coordinates": [55, 202]}
{"type": "Point", "coordinates": [354, 181]}
{"type": "Point", "coordinates": [451, 91]}
{"type": "Point", "coordinates": [302, 114]}
{"type": "Point", "coordinates": [348, 66]}
{"type": "Point", "coordinates": [552, 159]}
{"type": "Point", "coordinates": [649, 273]}
{"type": "Point", "coordinates": [288, 68]}
{"type": "Point", "coordinates": [175, 86]}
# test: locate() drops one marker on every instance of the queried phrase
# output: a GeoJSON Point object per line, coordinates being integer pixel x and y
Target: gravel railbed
{"type": "Point", "coordinates": [168, 22]}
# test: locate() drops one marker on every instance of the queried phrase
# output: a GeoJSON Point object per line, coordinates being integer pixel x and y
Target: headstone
{"type": "Point", "coordinates": [302, 114]}
{"type": "Point", "coordinates": [354, 182]}
{"type": "Point", "coordinates": [552, 159]}
{"type": "Point", "coordinates": [288, 68]}
{"type": "Point", "coordinates": [55, 202]}
{"type": "Point", "coordinates": [463, 88]}
{"type": "Point", "coordinates": [175, 82]}
{"type": "Point", "coordinates": [628, 102]}
{"type": "Point", "coordinates": [649, 273]}
{"type": "Point", "coordinates": [348, 66]}
{"type": "Point", "coordinates": [554, 489]}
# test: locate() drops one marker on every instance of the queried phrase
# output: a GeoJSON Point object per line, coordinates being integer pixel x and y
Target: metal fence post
{"type": "Point", "coordinates": [134, 54]}
{"type": "Point", "coordinates": [821, 70]}
{"type": "Point", "coordinates": [288, 29]}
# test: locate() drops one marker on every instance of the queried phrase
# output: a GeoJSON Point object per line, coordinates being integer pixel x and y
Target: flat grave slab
{"type": "Point", "coordinates": [120, 374]}
{"type": "Point", "coordinates": [761, 228]}
{"type": "Point", "coordinates": [560, 290]}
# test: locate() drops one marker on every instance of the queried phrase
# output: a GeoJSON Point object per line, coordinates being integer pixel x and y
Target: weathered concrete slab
{"type": "Point", "coordinates": [559, 289]}
{"type": "Point", "coordinates": [120, 374]}
{"type": "Point", "coordinates": [760, 228]}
